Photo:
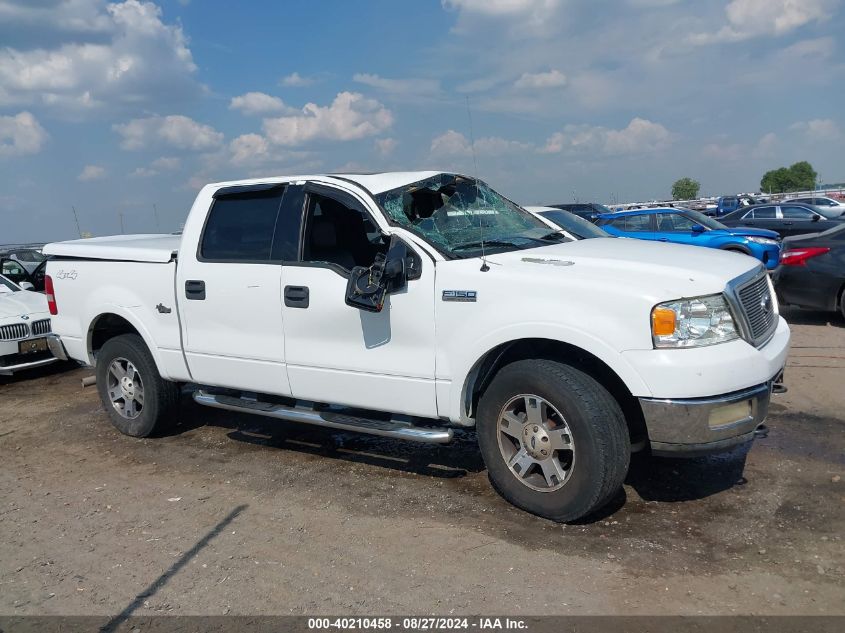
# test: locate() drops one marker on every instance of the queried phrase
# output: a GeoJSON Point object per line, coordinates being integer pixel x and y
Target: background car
{"type": "Point", "coordinates": [820, 201]}
{"type": "Point", "coordinates": [29, 258]}
{"type": "Point", "coordinates": [15, 271]}
{"type": "Point", "coordinates": [575, 226]}
{"type": "Point", "coordinates": [812, 271]}
{"type": "Point", "coordinates": [685, 226]}
{"type": "Point", "coordinates": [785, 218]}
{"type": "Point", "coordinates": [24, 324]}
{"type": "Point", "coordinates": [586, 210]}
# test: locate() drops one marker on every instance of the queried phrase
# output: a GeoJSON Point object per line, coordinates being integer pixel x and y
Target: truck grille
{"type": "Point", "coordinates": [758, 308]}
{"type": "Point", "coordinates": [39, 328]}
{"type": "Point", "coordinates": [14, 332]}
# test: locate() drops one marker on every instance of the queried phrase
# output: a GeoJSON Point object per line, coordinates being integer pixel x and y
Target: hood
{"type": "Point", "coordinates": [743, 231]}
{"type": "Point", "coordinates": [15, 304]}
{"type": "Point", "coordinates": [655, 271]}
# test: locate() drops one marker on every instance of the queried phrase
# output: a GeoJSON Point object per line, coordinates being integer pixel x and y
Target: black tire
{"type": "Point", "coordinates": [602, 447]}
{"type": "Point", "coordinates": [160, 396]}
{"type": "Point", "coordinates": [842, 302]}
{"type": "Point", "coordinates": [734, 249]}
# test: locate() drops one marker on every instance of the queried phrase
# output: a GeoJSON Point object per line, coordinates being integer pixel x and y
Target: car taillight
{"type": "Point", "coordinates": [799, 256]}
{"type": "Point", "coordinates": [50, 294]}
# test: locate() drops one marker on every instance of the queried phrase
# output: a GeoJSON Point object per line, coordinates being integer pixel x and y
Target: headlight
{"type": "Point", "coordinates": [692, 322]}
{"type": "Point", "coordinates": [762, 240]}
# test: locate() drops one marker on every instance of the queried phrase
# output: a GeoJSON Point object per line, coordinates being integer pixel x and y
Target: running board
{"type": "Point", "coordinates": [395, 428]}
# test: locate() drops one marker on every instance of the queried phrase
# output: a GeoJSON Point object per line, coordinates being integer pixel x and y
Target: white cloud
{"type": "Point", "coordinates": [649, 4]}
{"type": "Point", "coordinates": [165, 163]}
{"type": "Point", "coordinates": [385, 146]}
{"type": "Point", "coordinates": [497, 8]}
{"type": "Point", "coordinates": [175, 131]}
{"type": "Point", "coordinates": [753, 18]}
{"type": "Point", "coordinates": [641, 136]}
{"type": "Point", "coordinates": [350, 116]}
{"type": "Point", "coordinates": [818, 129]}
{"type": "Point", "coordinates": [91, 172]}
{"type": "Point", "coordinates": [259, 103]}
{"type": "Point", "coordinates": [20, 135]}
{"type": "Point", "coordinates": [410, 86]}
{"type": "Point", "coordinates": [131, 56]}
{"type": "Point", "coordinates": [248, 148]}
{"type": "Point", "coordinates": [452, 143]}
{"type": "Point", "coordinates": [527, 18]}
{"type": "Point", "coordinates": [731, 152]}
{"type": "Point", "coordinates": [295, 80]}
{"type": "Point", "coordinates": [550, 79]}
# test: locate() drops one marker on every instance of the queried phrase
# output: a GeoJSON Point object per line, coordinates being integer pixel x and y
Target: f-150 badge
{"type": "Point", "coordinates": [460, 295]}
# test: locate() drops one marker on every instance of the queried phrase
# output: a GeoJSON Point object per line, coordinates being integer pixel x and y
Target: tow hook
{"type": "Point", "coordinates": [761, 431]}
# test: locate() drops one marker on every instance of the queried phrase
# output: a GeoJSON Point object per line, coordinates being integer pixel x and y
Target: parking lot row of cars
{"type": "Point", "coordinates": [803, 245]}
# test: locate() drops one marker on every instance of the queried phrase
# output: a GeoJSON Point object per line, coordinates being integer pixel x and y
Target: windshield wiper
{"type": "Point", "coordinates": [479, 243]}
{"type": "Point", "coordinates": [545, 239]}
{"type": "Point", "coordinates": [553, 236]}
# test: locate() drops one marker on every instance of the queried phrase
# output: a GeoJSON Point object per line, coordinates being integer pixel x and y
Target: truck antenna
{"type": "Point", "coordinates": [155, 213]}
{"type": "Point", "coordinates": [76, 219]}
{"type": "Point", "coordinates": [484, 266]}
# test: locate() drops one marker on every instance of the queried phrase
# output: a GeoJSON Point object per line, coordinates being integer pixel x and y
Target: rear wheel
{"type": "Point", "coordinates": [554, 440]}
{"type": "Point", "coordinates": [136, 398]}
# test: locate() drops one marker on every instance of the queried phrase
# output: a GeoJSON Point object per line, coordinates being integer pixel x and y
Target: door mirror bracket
{"type": "Point", "coordinates": [367, 287]}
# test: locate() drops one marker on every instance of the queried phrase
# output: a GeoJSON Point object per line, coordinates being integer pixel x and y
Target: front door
{"type": "Point", "coordinates": [342, 355]}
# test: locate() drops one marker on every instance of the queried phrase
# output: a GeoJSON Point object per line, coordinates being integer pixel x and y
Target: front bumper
{"type": "Point", "coordinates": [8, 370]}
{"type": "Point", "coordinates": [695, 426]}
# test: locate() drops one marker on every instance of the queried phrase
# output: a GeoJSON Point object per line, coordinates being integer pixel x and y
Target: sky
{"type": "Point", "coordinates": [125, 109]}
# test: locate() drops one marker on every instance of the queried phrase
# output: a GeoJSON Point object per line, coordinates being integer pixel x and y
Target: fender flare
{"type": "Point", "coordinates": [579, 339]}
{"type": "Point", "coordinates": [127, 314]}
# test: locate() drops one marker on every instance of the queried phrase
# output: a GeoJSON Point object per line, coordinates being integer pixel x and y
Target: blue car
{"type": "Point", "coordinates": [684, 226]}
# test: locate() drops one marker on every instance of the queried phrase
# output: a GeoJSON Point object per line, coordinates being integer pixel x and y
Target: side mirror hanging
{"type": "Point", "coordinates": [367, 287]}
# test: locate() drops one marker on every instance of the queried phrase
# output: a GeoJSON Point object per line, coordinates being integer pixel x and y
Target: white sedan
{"type": "Point", "coordinates": [571, 225]}
{"type": "Point", "coordinates": [24, 324]}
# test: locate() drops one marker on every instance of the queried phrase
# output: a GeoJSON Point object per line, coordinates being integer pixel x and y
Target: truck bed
{"type": "Point", "coordinates": [129, 248]}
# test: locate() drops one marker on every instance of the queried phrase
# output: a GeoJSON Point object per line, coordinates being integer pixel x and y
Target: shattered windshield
{"type": "Point", "coordinates": [455, 213]}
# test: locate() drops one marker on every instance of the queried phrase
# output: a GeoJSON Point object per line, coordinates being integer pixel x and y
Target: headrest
{"type": "Point", "coordinates": [323, 234]}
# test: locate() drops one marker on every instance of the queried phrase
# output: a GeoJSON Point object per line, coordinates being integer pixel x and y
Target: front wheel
{"type": "Point", "coordinates": [133, 393]}
{"type": "Point", "coordinates": [553, 439]}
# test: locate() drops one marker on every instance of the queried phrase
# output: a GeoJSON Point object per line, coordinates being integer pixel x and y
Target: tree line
{"type": "Point", "coordinates": [797, 177]}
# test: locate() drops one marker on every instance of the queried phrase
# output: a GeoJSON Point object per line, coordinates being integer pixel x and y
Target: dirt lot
{"type": "Point", "coordinates": [233, 514]}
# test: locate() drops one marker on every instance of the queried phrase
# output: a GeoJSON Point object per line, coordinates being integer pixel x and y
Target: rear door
{"type": "Point", "coordinates": [763, 218]}
{"type": "Point", "coordinates": [230, 290]}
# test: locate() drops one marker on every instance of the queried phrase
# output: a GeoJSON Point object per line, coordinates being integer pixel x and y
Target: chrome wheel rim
{"type": "Point", "coordinates": [536, 443]}
{"type": "Point", "coordinates": [125, 388]}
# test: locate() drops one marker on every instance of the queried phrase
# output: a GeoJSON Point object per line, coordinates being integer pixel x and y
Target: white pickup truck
{"type": "Point", "coordinates": [409, 304]}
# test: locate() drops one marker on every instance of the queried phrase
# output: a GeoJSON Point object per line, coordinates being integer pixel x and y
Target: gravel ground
{"type": "Point", "coordinates": [233, 514]}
